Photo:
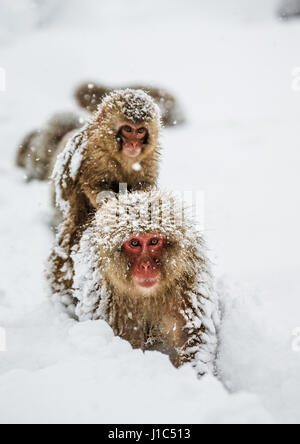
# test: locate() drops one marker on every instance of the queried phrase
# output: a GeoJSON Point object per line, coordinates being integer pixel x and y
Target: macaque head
{"type": "Point", "coordinates": [132, 138]}
{"type": "Point", "coordinates": [149, 263]}
{"type": "Point", "coordinates": [144, 253]}
{"type": "Point", "coordinates": [128, 125]}
{"type": "Point", "coordinates": [146, 246]}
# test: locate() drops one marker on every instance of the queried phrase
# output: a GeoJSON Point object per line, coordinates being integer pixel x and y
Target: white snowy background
{"type": "Point", "coordinates": [230, 63]}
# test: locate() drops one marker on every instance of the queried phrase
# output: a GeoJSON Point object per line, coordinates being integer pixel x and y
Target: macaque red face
{"type": "Point", "coordinates": [144, 253]}
{"type": "Point", "coordinates": [132, 138]}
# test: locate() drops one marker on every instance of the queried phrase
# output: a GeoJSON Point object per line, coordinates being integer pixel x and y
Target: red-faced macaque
{"type": "Point", "coordinates": [38, 150]}
{"type": "Point", "coordinates": [119, 145]}
{"type": "Point", "coordinates": [141, 266]}
{"type": "Point", "coordinates": [89, 95]}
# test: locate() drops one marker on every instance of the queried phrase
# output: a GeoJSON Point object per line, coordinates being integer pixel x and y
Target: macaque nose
{"type": "Point", "coordinates": [146, 266]}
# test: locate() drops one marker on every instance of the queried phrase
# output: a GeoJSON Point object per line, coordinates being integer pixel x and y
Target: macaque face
{"type": "Point", "coordinates": [132, 138]}
{"type": "Point", "coordinates": [144, 253]}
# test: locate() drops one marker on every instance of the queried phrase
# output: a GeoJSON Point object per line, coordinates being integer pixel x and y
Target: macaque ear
{"type": "Point", "coordinates": [101, 116]}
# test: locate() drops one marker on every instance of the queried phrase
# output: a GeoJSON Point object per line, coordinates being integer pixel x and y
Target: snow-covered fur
{"type": "Point", "coordinates": [89, 95]}
{"type": "Point", "coordinates": [180, 316]}
{"type": "Point", "coordinates": [38, 150]}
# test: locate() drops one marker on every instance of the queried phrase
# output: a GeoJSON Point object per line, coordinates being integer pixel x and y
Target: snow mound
{"type": "Point", "coordinates": [71, 372]}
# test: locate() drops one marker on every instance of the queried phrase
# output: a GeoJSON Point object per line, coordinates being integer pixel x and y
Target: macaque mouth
{"type": "Point", "coordinates": [146, 282]}
{"type": "Point", "coordinates": [130, 151]}
{"type": "Point", "coordinates": [132, 138]}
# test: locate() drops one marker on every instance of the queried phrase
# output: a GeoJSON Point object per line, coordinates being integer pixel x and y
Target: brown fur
{"type": "Point", "coordinates": [24, 149]}
{"type": "Point", "coordinates": [176, 317]}
{"type": "Point", "coordinates": [39, 148]}
{"type": "Point", "coordinates": [90, 95]}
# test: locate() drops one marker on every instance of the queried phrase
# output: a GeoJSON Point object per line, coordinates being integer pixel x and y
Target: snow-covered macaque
{"type": "Point", "coordinates": [142, 267]}
{"type": "Point", "coordinates": [119, 145]}
{"type": "Point", "coordinates": [38, 150]}
{"type": "Point", "coordinates": [89, 95]}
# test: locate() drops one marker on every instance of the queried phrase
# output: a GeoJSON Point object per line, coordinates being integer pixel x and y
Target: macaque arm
{"type": "Point", "coordinates": [91, 194]}
{"type": "Point", "coordinates": [184, 343]}
{"type": "Point", "coordinates": [172, 328]}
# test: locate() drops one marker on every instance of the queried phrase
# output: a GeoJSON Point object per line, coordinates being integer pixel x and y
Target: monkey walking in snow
{"type": "Point", "coordinates": [143, 268]}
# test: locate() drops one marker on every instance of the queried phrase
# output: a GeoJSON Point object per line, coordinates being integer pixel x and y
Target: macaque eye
{"type": "Point", "coordinates": [127, 129]}
{"type": "Point", "coordinates": [154, 242]}
{"type": "Point", "coordinates": [135, 243]}
{"type": "Point", "coordinates": [141, 130]}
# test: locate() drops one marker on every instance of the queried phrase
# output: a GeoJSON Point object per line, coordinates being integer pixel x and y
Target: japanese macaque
{"type": "Point", "coordinates": [141, 266]}
{"type": "Point", "coordinates": [37, 152]}
{"type": "Point", "coordinates": [90, 95]}
{"type": "Point", "coordinates": [120, 145]}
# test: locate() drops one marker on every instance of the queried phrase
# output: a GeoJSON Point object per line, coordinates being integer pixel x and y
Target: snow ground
{"type": "Point", "coordinates": [233, 71]}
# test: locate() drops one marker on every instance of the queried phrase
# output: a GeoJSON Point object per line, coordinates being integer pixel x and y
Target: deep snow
{"type": "Point", "coordinates": [233, 71]}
